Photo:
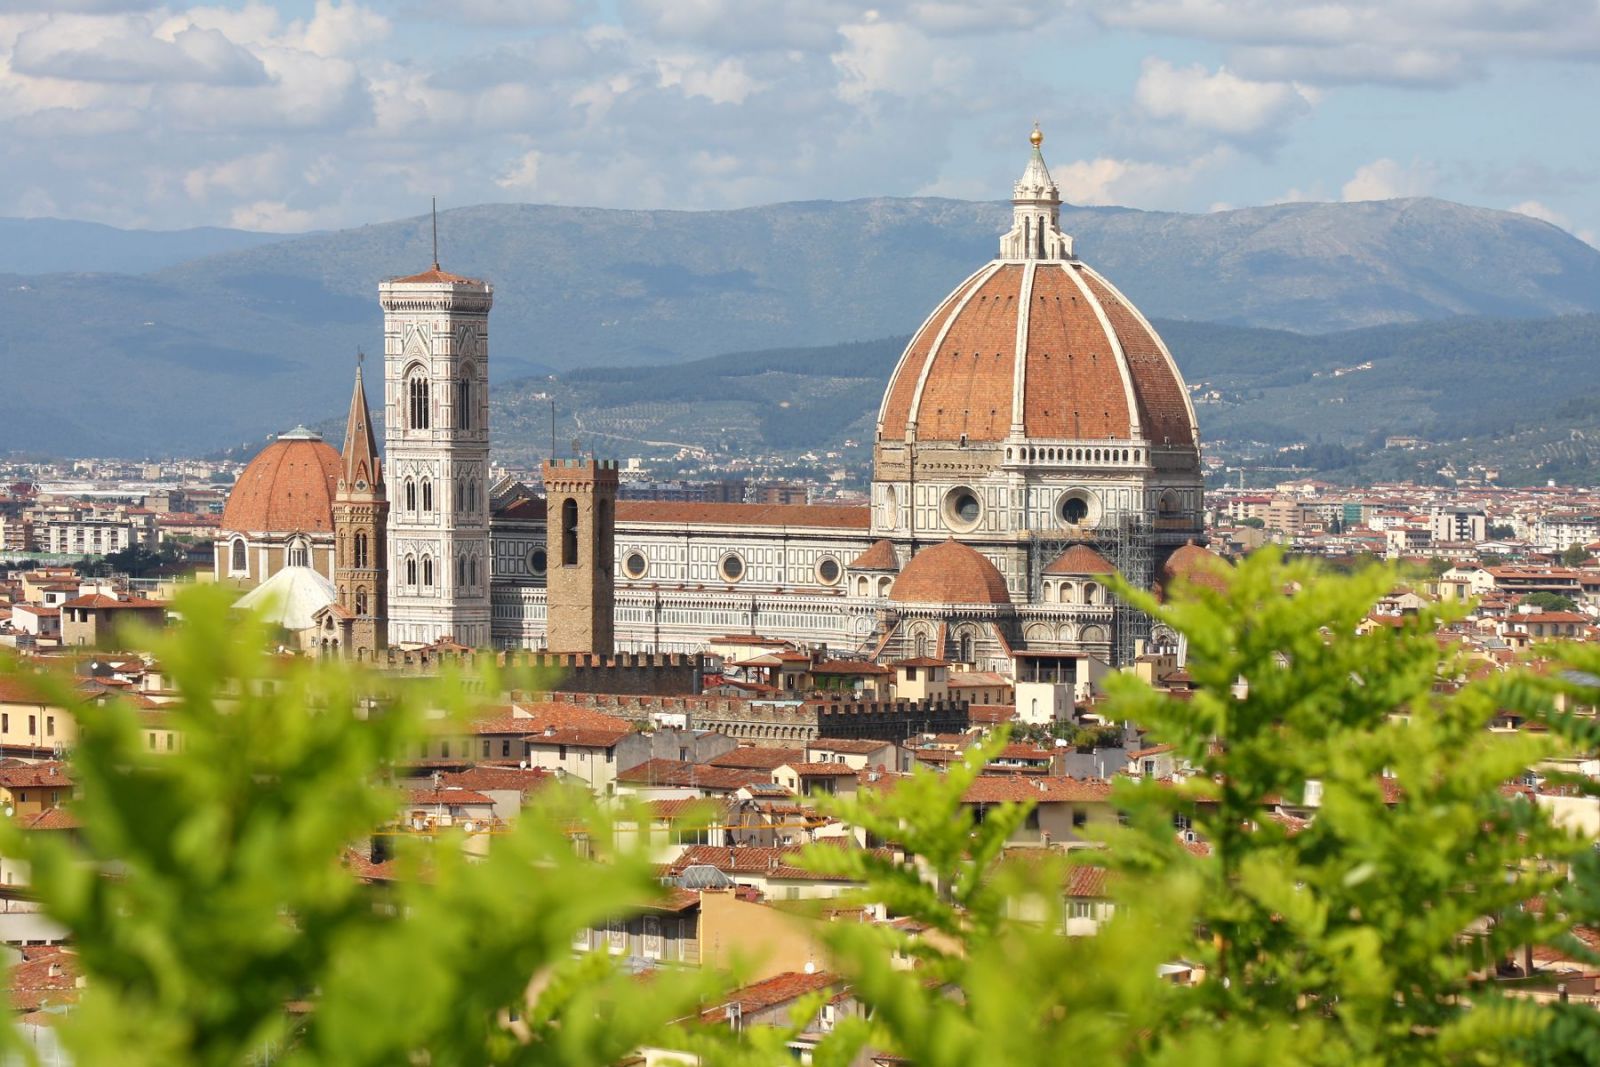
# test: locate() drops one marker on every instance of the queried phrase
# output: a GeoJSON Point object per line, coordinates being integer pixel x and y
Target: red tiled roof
{"type": "Point", "coordinates": [771, 993]}
{"type": "Point", "coordinates": [499, 779]}
{"type": "Point", "coordinates": [1080, 559]}
{"type": "Point", "coordinates": [289, 486]}
{"type": "Point", "coordinates": [53, 774]}
{"type": "Point", "coordinates": [46, 974]}
{"type": "Point", "coordinates": [434, 276]}
{"type": "Point", "coordinates": [99, 601]}
{"type": "Point", "coordinates": [681, 775]}
{"type": "Point", "coordinates": [1045, 789]}
{"type": "Point", "coordinates": [1083, 881]}
{"type": "Point", "coordinates": [880, 557]}
{"type": "Point", "coordinates": [754, 758]}
{"type": "Point", "coordinates": [447, 797]}
{"type": "Point", "coordinates": [950, 573]}
{"type": "Point", "coordinates": [52, 819]}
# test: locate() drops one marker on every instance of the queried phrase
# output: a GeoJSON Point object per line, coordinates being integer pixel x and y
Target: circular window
{"type": "Point", "coordinates": [1074, 510]}
{"type": "Point", "coordinates": [732, 567]}
{"type": "Point", "coordinates": [962, 508]}
{"type": "Point", "coordinates": [634, 565]}
{"type": "Point", "coordinates": [537, 560]}
{"type": "Point", "coordinates": [828, 570]}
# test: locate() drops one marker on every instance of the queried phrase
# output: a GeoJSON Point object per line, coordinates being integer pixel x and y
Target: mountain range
{"type": "Point", "coordinates": [120, 344]}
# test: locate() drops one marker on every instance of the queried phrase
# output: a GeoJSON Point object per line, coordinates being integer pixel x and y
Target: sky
{"type": "Point", "coordinates": [288, 115]}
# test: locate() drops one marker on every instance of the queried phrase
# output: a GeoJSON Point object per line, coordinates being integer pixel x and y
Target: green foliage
{"type": "Point", "coordinates": [1549, 601]}
{"type": "Point", "coordinates": [206, 893]}
{"type": "Point", "coordinates": [1574, 555]}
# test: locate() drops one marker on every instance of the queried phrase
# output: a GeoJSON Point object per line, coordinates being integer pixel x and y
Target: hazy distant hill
{"type": "Point", "coordinates": [50, 246]}
{"type": "Point", "coordinates": [1522, 395]}
{"type": "Point", "coordinates": [238, 343]}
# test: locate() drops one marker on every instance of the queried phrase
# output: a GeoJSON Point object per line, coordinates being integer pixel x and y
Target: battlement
{"type": "Point", "coordinates": [565, 673]}
{"type": "Point", "coordinates": [783, 722]}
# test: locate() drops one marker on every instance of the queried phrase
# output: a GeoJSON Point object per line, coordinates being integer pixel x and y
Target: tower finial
{"type": "Point", "coordinates": [436, 233]}
{"type": "Point", "coordinates": [1037, 136]}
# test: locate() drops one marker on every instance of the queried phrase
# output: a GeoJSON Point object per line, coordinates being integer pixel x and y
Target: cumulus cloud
{"type": "Point", "coordinates": [503, 14]}
{"type": "Point", "coordinates": [1220, 102]}
{"type": "Point", "coordinates": [1385, 179]}
{"type": "Point", "coordinates": [1105, 181]}
{"type": "Point", "coordinates": [126, 51]}
{"type": "Point", "coordinates": [1337, 41]}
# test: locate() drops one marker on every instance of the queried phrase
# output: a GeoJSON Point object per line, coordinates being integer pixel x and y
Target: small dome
{"type": "Point", "coordinates": [950, 573]}
{"type": "Point", "coordinates": [880, 557]}
{"type": "Point", "coordinates": [288, 487]}
{"type": "Point", "coordinates": [1080, 559]}
{"type": "Point", "coordinates": [291, 597]}
{"type": "Point", "coordinates": [1195, 565]}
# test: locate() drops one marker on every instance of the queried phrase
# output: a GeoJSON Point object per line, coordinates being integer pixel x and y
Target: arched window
{"type": "Point", "coordinates": [359, 555]}
{"type": "Point", "coordinates": [361, 600]}
{"type": "Point", "coordinates": [417, 397]}
{"type": "Point", "coordinates": [966, 648]}
{"type": "Point", "coordinates": [921, 646]}
{"type": "Point", "coordinates": [411, 495]}
{"type": "Point", "coordinates": [299, 554]}
{"type": "Point", "coordinates": [461, 570]}
{"type": "Point", "coordinates": [472, 571]}
{"type": "Point", "coordinates": [427, 571]}
{"type": "Point", "coordinates": [569, 532]}
{"type": "Point", "coordinates": [427, 494]}
{"type": "Point", "coordinates": [464, 400]}
{"type": "Point", "coordinates": [411, 570]}
{"type": "Point", "coordinates": [239, 563]}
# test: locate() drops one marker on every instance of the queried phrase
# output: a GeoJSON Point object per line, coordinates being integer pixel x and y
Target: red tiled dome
{"type": "Point", "coordinates": [880, 557]}
{"type": "Point", "coordinates": [1080, 559]}
{"type": "Point", "coordinates": [1196, 566]}
{"type": "Point", "coordinates": [950, 573]}
{"type": "Point", "coordinates": [288, 487]}
{"type": "Point", "coordinates": [1083, 364]}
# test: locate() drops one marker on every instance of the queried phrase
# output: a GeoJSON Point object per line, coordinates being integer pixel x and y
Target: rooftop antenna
{"type": "Point", "coordinates": [436, 233]}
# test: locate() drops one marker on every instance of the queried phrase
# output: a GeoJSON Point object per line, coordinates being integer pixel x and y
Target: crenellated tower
{"type": "Point", "coordinates": [580, 514]}
{"type": "Point", "coordinates": [360, 527]}
{"type": "Point", "coordinates": [436, 430]}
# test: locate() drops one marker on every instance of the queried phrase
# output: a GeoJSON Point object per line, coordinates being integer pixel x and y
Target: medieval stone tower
{"type": "Point", "coordinates": [436, 429]}
{"type": "Point", "coordinates": [360, 530]}
{"type": "Point", "coordinates": [580, 515]}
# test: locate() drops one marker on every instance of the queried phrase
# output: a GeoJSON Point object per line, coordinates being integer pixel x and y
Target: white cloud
{"type": "Point", "coordinates": [520, 14]}
{"type": "Point", "coordinates": [272, 216]}
{"type": "Point", "coordinates": [126, 51]}
{"type": "Point", "coordinates": [726, 82]}
{"type": "Point", "coordinates": [1536, 210]}
{"type": "Point", "coordinates": [1336, 41]}
{"type": "Point", "coordinates": [523, 174]}
{"type": "Point", "coordinates": [1105, 181]}
{"type": "Point", "coordinates": [881, 57]}
{"type": "Point", "coordinates": [1385, 179]}
{"type": "Point", "coordinates": [1220, 102]}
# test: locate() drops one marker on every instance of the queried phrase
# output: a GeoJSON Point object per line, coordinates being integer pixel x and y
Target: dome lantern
{"type": "Point", "coordinates": [1035, 213]}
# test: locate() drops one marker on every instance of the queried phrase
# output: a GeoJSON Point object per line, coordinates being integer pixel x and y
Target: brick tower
{"type": "Point", "coordinates": [360, 525]}
{"type": "Point", "coordinates": [580, 516]}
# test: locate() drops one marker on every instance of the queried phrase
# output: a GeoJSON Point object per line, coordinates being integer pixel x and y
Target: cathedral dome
{"type": "Point", "coordinates": [289, 486]}
{"type": "Point", "coordinates": [1194, 565]}
{"type": "Point", "coordinates": [1080, 559]}
{"type": "Point", "coordinates": [1036, 345]}
{"type": "Point", "coordinates": [950, 573]}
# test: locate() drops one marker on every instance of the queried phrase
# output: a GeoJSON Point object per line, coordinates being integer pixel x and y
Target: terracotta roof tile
{"type": "Point", "coordinates": [289, 486]}
{"type": "Point", "coordinates": [950, 573]}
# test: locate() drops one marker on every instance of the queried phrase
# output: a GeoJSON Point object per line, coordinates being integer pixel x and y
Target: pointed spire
{"type": "Point", "coordinates": [360, 467]}
{"type": "Point", "coordinates": [1036, 212]}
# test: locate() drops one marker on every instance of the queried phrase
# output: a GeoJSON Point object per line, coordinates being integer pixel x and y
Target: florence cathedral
{"type": "Point", "coordinates": [1034, 438]}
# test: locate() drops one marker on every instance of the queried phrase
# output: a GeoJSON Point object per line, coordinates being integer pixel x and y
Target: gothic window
{"type": "Point", "coordinates": [360, 553]}
{"type": "Point", "coordinates": [921, 647]}
{"type": "Point", "coordinates": [299, 555]}
{"type": "Point", "coordinates": [411, 495]}
{"type": "Point", "coordinates": [417, 401]}
{"type": "Point", "coordinates": [569, 532]}
{"type": "Point", "coordinates": [427, 494]}
{"type": "Point", "coordinates": [427, 571]}
{"type": "Point", "coordinates": [464, 400]}
{"type": "Point", "coordinates": [411, 570]}
{"type": "Point", "coordinates": [472, 571]}
{"type": "Point", "coordinates": [461, 570]}
{"type": "Point", "coordinates": [361, 600]}
{"type": "Point", "coordinates": [240, 562]}
{"type": "Point", "coordinates": [966, 648]}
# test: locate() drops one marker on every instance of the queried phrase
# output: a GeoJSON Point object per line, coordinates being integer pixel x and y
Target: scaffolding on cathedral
{"type": "Point", "coordinates": [1126, 538]}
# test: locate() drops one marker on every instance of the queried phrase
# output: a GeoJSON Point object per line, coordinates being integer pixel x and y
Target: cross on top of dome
{"type": "Point", "coordinates": [1036, 212]}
